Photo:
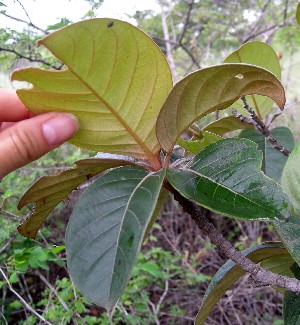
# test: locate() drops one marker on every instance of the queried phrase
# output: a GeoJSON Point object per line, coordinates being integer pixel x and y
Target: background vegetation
{"type": "Point", "coordinates": [176, 263]}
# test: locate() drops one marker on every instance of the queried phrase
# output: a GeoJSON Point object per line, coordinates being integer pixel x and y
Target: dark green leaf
{"type": "Point", "coordinates": [106, 230]}
{"type": "Point", "coordinates": [274, 161]}
{"type": "Point", "coordinates": [298, 14]}
{"type": "Point", "coordinates": [291, 178]}
{"type": "Point", "coordinates": [229, 273]}
{"type": "Point", "coordinates": [226, 178]}
{"type": "Point", "coordinates": [291, 308]}
{"type": "Point", "coordinates": [289, 232]}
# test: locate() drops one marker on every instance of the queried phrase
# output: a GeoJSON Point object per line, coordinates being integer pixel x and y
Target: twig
{"type": "Point", "coordinates": [25, 22]}
{"type": "Point", "coordinates": [50, 286]}
{"type": "Point", "coordinates": [9, 216]}
{"type": "Point", "coordinates": [163, 296]}
{"type": "Point", "coordinates": [273, 27]}
{"type": "Point", "coordinates": [260, 127]}
{"type": "Point", "coordinates": [4, 318]}
{"type": "Point", "coordinates": [12, 237]}
{"type": "Point", "coordinates": [29, 58]}
{"type": "Point", "coordinates": [26, 305]}
{"type": "Point", "coordinates": [263, 277]}
{"type": "Point", "coordinates": [26, 13]}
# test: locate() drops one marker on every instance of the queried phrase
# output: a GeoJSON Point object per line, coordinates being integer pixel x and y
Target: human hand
{"type": "Point", "coordinates": [25, 137]}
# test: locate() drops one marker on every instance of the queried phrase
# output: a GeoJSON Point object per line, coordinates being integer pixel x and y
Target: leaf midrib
{"type": "Point", "coordinates": [137, 139]}
{"type": "Point", "coordinates": [227, 188]}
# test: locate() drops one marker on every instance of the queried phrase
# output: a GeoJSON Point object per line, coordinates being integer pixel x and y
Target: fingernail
{"type": "Point", "coordinates": [60, 129]}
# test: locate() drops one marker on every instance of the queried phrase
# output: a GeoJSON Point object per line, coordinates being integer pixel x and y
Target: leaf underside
{"type": "Point", "coordinates": [229, 273]}
{"type": "Point", "coordinates": [262, 55]}
{"type": "Point", "coordinates": [226, 125]}
{"type": "Point", "coordinates": [211, 89]}
{"type": "Point", "coordinates": [226, 178]}
{"type": "Point", "coordinates": [49, 191]}
{"type": "Point", "coordinates": [115, 83]}
{"type": "Point", "coordinates": [106, 230]}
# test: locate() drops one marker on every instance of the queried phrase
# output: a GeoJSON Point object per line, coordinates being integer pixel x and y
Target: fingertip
{"type": "Point", "coordinates": [11, 107]}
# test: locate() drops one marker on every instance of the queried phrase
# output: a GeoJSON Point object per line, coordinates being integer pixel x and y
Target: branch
{"type": "Point", "coordinates": [273, 27]}
{"type": "Point", "coordinates": [260, 275]}
{"type": "Point", "coordinates": [29, 58]}
{"type": "Point", "coordinates": [187, 19]}
{"type": "Point", "coordinates": [260, 127]}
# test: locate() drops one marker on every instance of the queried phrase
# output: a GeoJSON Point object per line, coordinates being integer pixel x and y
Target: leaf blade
{"type": "Point", "coordinates": [107, 237]}
{"type": "Point", "coordinates": [226, 178]}
{"type": "Point", "coordinates": [49, 191]}
{"type": "Point", "coordinates": [262, 55]}
{"type": "Point", "coordinates": [116, 81]}
{"type": "Point", "coordinates": [211, 89]}
{"type": "Point", "coordinates": [229, 273]}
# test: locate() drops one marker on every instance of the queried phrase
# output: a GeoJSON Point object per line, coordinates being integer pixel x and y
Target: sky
{"type": "Point", "coordinates": [45, 12]}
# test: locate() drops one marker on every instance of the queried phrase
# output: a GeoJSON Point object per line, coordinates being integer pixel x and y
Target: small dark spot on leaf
{"type": "Point", "coordinates": [110, 24]}
{"type": "Point", "coordinates": [130, 240]}
{"type": "Point", "coordinates": [89, 176]}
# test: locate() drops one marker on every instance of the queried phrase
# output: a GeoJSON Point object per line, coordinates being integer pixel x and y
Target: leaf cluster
{"type": "Point", "coordinates": [129, 110]}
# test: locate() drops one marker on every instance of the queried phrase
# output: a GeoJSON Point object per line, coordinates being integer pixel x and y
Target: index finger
{"type": "Point", "coordinates": [11, 107]}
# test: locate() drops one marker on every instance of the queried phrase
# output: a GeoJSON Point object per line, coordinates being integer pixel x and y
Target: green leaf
{"type": "Point", "coordinates": [280, 265]}
{"type": "Point", "coordinates": [49, 191]}
{"type": "Point", "coordinates": [289, 233]}
{"type": "Point", "coordinates": [291, 308]}
{"type": "Point", "coordinates": [197, 145]}
{"type": "Point", "coordinates": [274, 161]}
{"type": "Point", "coordinates": [211, 89]}
{"type": "Point", "coordinates": [226, 178]}
{"type": "Point", "coordinates": [291, 178]}
{"type": "Point", "coordinates": [298, 14]}
{"type": "Point", "coordinates": [153, 269]}
{"type": "Point", "coordinates": [106, 230]}
{"type": "Point", "coordinates": [226, 125]}
{"type": "Point", "coordinates": [262, 55]}
{"type": "Point", "coordinates": [163, 195]}
{"type": "Point", "coordinates": [63, 22]}
{"type": "Point", "coordinates": [116, 81]}
{"type": "Point", "coordinates": [229, 273]}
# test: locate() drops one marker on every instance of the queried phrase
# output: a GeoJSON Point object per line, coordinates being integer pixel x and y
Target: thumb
{"type": "Point", "coordinates": [30, 139]}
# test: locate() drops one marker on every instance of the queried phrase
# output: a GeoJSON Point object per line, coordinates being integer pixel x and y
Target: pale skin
{"type": "Point", "coordinates": [25, 137]}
